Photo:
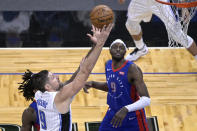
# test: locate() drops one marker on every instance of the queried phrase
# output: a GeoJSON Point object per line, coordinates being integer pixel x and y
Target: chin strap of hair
{"type": "Point", "coordinates": [139, 104]}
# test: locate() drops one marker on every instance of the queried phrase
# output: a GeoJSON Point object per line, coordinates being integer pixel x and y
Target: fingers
{"type": "Point", "coordinates": [116, 122]}
{"type": "Point", "coordinates": [113, 121]}
{"type": "Point", "coordinates": [88, 84]}
{"type": "Point", "coordinates": [109, 27]}
{"type": "Point", "coordinates": [95, 29]}
{"type": "Point", "coordinates": [120, 123]}
{"type": "Point", "coordinates": [85, 90]}
{"type": "Point", "coordinates": [104, 28]}
{"type": "Point", "coordinates": [89, 35]}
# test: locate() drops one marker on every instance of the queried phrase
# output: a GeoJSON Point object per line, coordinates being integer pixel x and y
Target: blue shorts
{"type": "Point", "coordinates": [134, 121]}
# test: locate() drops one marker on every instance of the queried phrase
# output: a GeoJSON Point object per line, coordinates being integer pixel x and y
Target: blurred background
{"type": "Point", "coordinates": [65, 23]}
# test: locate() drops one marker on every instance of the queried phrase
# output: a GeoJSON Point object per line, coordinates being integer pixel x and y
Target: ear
{"type": "Point", "coordinates": [47, 87]}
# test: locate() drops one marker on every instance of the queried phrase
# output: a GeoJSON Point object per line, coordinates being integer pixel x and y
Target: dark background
{"type": "Point", "coordinates": [66, 25]}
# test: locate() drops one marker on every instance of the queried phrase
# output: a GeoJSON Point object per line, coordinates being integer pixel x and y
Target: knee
{"type": "Point", "coordinates": [133, 27]}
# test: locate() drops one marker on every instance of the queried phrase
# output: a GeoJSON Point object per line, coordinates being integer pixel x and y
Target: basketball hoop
{"type": "Point", "coordinates": [177, 15]}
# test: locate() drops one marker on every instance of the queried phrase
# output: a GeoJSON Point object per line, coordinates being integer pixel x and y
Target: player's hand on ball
{"type": "Point", "coordinates": [100, 35]}
{"type": "Point", "coordinates": [92, 37]}
{"type": "Point", "coordinates": [119, 117]}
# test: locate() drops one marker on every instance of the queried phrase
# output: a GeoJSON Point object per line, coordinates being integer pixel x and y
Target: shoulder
{"type": "Point", "coordinates": [29, 111]}
{"type": "Point", "coordinates": [134, 71]}
{"type": "Point", "coordinates": [108, 62]}
{"type": "Point", "coordinates": [133, 67]}
{"type": "Point", "coordinates": [130, 62]}
{"type": "Point", "coordinates": [37, 94]}
{"type": "Point", "coordinates": [29, 114]}
{"type": "Point", "coordinates": [33, 104]}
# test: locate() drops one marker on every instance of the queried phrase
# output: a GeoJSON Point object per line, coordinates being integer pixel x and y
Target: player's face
{"type": "Point", "coordinates": [53, 81]}
{"type": "Point", "coordinates": [117, 51]}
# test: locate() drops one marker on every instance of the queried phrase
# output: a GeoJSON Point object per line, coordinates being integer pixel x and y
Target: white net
{"type": "Point", "coordinates": [177, 20]}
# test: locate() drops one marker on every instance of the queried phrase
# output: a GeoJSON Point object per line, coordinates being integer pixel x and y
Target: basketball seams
{"type": "Point", "coordinates": [101, 15]}
{"type": "Point", "coordinates": [97, 10]}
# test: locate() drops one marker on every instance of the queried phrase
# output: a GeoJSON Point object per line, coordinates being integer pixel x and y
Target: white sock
{"type": "Point", "coordinates": [139, 44]}
{"type": "Point", "coordinates": [195, 57]}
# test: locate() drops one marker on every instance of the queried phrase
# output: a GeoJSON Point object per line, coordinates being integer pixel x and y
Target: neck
{"type": "Point", "coordinates": [117, 63]}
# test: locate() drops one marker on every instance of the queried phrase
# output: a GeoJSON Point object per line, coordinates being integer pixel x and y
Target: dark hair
{"type": "Point", "coordinates": [33, 82]}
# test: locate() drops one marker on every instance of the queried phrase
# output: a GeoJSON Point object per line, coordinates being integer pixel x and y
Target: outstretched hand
{"type": "Point", "coordinates": [119, 117]}
{"type": "Point", "coordinates": [87, 86]}
{"type": "Point", "coordinates": [100, 35]}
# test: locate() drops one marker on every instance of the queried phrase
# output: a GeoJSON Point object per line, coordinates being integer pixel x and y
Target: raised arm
{"type": "Point", "coordinates": [71, 89]}
{"type": "Point", "coordinates": [75, 73]}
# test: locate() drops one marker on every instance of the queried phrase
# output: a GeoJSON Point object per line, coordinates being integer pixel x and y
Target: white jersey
{"type": "Point", "coordinates": [49, 117]}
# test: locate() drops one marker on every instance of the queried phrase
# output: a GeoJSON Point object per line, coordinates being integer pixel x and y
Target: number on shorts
{"type": "Point", "coordinates": [43, 120]}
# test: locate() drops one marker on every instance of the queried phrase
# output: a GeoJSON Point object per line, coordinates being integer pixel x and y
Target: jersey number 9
{"type": "Point", "coordinates": [43, 120]}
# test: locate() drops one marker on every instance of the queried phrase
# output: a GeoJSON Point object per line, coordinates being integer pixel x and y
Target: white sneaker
{"type": "Point", "coordinates": [137, 53]}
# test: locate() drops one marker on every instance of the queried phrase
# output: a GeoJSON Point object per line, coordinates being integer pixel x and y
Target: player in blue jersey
{"type": "Point", "coordinates": [30, 115]}
{"type": "Point", "coordinates": [127, 93]}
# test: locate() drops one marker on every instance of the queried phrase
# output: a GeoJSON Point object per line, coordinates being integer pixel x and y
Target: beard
{"type": "Point", "coordinates": [117, 58]}
{"type": "Point", "coordinates": [60, 86]}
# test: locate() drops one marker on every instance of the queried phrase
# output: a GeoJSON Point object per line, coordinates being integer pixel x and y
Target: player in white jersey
{"type": "Point", "coordinates": [53, 97]}
{"type": "Point", "coordinates": [142, 10]}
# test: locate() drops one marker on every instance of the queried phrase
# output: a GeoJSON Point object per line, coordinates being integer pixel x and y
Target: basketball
{"type": "Point", "coordinates": [101, 15]}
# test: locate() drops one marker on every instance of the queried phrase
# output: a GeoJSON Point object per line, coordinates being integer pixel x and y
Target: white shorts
{"type": "Point", "coordinates": [142, 10]}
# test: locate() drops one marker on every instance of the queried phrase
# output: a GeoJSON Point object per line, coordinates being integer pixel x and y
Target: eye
{"type": "Point", "coordinates": [122, 47]}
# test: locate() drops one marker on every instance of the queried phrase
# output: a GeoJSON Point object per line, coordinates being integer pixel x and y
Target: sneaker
{"type": "Point", "coordinates": [137, 53]}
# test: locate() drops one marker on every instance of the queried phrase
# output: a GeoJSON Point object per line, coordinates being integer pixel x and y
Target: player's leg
{"type": "Point", "coordinates": [137, 11]}
{"type": "Point", "coordinates": [193, 49]}
{"type": "Point", "coordinates": [135, 31]}
{"type": "Point", "coordinates": [174, 28]}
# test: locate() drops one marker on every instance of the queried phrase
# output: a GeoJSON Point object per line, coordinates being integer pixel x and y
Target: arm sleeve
{"type": "Point", "coordinates": [141, 103]}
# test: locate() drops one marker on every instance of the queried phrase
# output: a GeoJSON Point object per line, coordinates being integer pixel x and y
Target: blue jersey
{"type": "Point", "coordinates": [120, 94]}
{"type": "Point", "coordinates": [37, 123]}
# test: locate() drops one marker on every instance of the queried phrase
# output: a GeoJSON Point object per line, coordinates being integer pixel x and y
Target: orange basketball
{"type": "Point", "coordinates": [101, 15]}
